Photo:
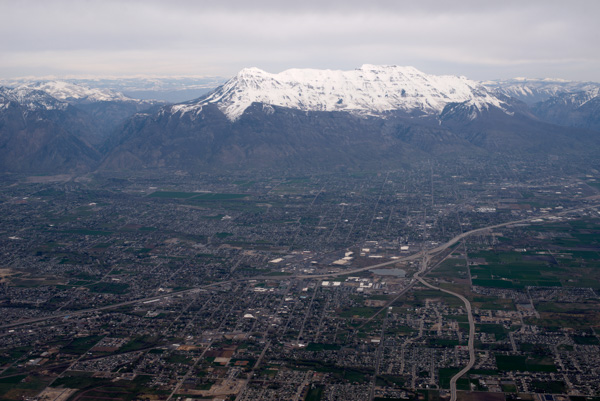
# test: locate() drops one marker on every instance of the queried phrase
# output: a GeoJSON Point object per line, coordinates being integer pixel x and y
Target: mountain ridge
{"type": "Point", "coordinates": [73, 93]}
{"type": "Point", "coordinates": [532, 91]}
{"type": "Point", "coordinates": [369, 90]}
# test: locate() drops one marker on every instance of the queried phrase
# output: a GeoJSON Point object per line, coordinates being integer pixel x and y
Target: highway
{"type": "Point", "coordinates": [424, 268]}
{"type": "Point", "coordinates": [112, 306]}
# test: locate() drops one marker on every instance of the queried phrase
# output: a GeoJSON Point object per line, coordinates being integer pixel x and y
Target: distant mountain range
{"type": "Point", "coordinates": [57, 126]}
{"type": "Point", "coordinates": [566, 103]}
{"type": "Point", "coordinates": [532, 91]}
{"type": "Point", "coordinates": [164, 89]}
{"type": "Point", "coordinates": [297, 119]}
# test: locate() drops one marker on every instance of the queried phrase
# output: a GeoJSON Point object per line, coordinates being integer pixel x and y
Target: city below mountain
{"type": "Point", "coordinates": [380, 234]}
{"type": "Point", "coordinates": [297, 119]}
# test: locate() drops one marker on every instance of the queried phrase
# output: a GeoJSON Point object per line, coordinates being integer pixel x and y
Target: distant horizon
{"type": "Point", "coordinates": [83, 76]}
{"type": "Point", "coordinates": [56, 77]}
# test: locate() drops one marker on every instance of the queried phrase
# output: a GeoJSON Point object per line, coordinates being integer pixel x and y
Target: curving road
{"type": "Point", "coordinates": [471, 343]}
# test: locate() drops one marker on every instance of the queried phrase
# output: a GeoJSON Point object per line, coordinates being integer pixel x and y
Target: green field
{"type": "Point", "coordinates": [172, 194]}
{"type": "Point", "coordinates": [445, 376]}
{"type": "Point", "coordinates": [196, 196]}
{"type": "Point", "coordinates": [314, 393]}
{"type": "Point", "coordinates": [420, 297]}
{"type": "Point", "coordinates": [12, 379]}
{"type": "Point", "coordinates": [451, 268]}
{"type": "Point", "coordinates": [139, 343]}
{"type": "Point", "coordinates": [572, 314]}
{"type": "Point", "coordinates": [78, 381]}
{"type": "Point", "coordinates": [109, 288]}
{"type": "Point", "coordinates": [322, 347]}
{"type": "Point", "coordinates": [81, 345]}
{"type": "Point", "coordinates": [586, 340]}
{"type": "Point", "coordinates": [496, 329]}
{"type": "Point", "coordinates": [551, 387]}
{"type": "Point", "coordinates": [83, 231]}
{"type": "Point", "coordinates": [219, 197]}
{"type": "Point", "coordinates": [358, 311]}
{"type": "Point", "coordinates": [517, 270]}
{"type": "Point", "coordinates": [441, 343]}
{"type": "Point", "coordinates": [99, 388]}
{"type": "Point", "coordinates": [493, 283]}
{"type": "Point", "coordinates": [522, 363]}
{"type": "Point", "coordinates": [223, 235]}
{"type": "Point", "coordinates": [22, 386]}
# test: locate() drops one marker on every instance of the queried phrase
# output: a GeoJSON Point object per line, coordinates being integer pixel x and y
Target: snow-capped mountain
{"type": "Point", "coordinates": [532, 91]}
{"type": "Point", "coordinates": [73, 93]}
{"type": "Point", "coordinates": [296, 119]}
{"type": "Point", "coordinates": [57, 95]}
{"type": "Point", "coordinates": [322, 119]}
{"type": "Point", "coordinates": [31, 99]}
{"type": "Point", "coordinates": [172, 89]}
{"type": "Point", "coordinates": [57, 126]}
{"type": "Point", "coordinates": [579, 99]}
{"type": "Point", "coordinates": [580, 109]}
{"type": "Point", "coordinates": [41, 133]}
{"type": "Point", "coordinates": [369, 90]}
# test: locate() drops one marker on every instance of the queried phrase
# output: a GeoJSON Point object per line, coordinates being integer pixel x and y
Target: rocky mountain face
{"type": "Point", "coordinates": [579, 109]}
{"type": "Point", "coordinates": [107, 109]}
{"type": "Point", "coordinates": [58, 127]}
{"type": "Point", "coordinates": [41, 133]}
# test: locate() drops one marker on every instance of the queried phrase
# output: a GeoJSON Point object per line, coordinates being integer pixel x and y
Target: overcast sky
{"type": "Point", "coordinates": [480, 39]}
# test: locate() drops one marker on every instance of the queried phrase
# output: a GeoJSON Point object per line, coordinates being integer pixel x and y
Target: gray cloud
{"type": "Point", "coordinates": [474, 38]}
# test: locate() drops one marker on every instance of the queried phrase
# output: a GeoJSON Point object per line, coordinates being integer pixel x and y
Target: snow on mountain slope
{"type": "Point", "coordinates": [580, 98]}
{"type": "Point", "coordinates": [32, 99]}
{"type": "Point", "coordinates": [55, 95]}
{"type": "Point", "coordinates": [580, 109]}
{"type": "Point", "coordinates": [369, 90]}
{"type": "Point", "coordinates": [536, 90]}
{"type": "Point", "coordinates": [173, 89]}
{"type": "Point", "coordinates": [76, 93]}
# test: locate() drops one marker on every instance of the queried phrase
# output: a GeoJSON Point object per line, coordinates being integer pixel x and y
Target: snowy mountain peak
{"type": "Point", "coordinates": [368, 90]}
{"type": "Point", "coordinates": [577, 99]}
{"type": "Point", "coordinates": [32, 99]}
{"type": "Point", "coordinates": [69, 92]}
{"type": "Point", "coordinates": [251, 71]}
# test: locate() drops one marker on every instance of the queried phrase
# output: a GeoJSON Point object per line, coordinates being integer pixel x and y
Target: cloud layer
{"type": "Point", "coordinates": [473, 38]}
